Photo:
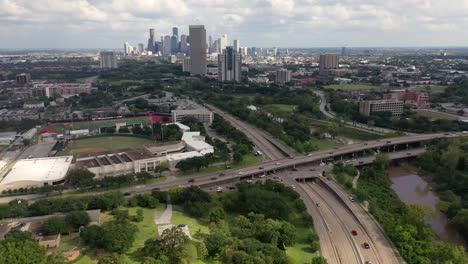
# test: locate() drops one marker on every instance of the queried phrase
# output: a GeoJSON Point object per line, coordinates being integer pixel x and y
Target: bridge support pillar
{"type": "Point", "coordinates": [394, 148]}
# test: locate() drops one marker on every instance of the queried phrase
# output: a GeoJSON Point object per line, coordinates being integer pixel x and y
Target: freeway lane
{"type": "Point", "coordinates": [271, 147]}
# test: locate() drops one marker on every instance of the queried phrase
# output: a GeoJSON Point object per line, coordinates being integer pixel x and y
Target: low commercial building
{"type": "Point", "coordinates": [201, 114]}
{"type": "Point", "coordinates": [39, 172]}
{"type": "Point", "coordinates": [62, 89]}
{"type": "Point", "coordinates": [148, 158]}
{"type": "Point", "coordinates": [368, 108]}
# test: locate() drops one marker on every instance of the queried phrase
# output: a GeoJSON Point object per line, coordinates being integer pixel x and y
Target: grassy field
{"type": "Point", "coordinates": [436, 115]}
{"type": "Point", "coordinates": [248, 160]}
{"type": "Point", "coordinates": [350, 86]}
{"type": "Point", "coordinates": [100, 144]}
{"type": "Point", "coordinates": [280, 108]}
{"type": "Point", "coordinates": [323, 143]}
{"type": "Point", "coordinates": [178, 218]}
{"type": "Point", "coordinates": [301, 253]}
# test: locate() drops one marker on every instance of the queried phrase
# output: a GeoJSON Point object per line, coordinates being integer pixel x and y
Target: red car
{"type": "Point", "coordinates": [354, 232]}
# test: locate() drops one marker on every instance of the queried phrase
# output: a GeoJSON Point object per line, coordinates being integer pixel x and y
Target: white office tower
{"type": "Point", "coordinates": [275, 51]}
{"type": "Point", "coordinates": [236, 44]}
{"type": "Point", "coordinates": [223, 43]}
{"type": "Point", "coordinates": [229, 65]}
{"type": "Point", "coordinates": [127, 49]}
{"type": "Point", "coordinates": [108, 60]}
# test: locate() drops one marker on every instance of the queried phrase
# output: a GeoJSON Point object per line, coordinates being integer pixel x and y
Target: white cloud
{"type": "Point", "coordinates": [108, 23]}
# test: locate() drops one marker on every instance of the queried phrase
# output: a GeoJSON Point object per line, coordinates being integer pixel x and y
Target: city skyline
{"type": "Point", "coordinates": [290, 23]}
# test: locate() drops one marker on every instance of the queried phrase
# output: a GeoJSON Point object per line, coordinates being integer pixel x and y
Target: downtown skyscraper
{"type": "Point", "coordinates": [151, 41]}
{"type": "Point", "coordinates": [197, 35]}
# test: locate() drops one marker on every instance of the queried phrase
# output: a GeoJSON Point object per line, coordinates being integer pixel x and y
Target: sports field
{"type": "Point", "coordinates": [351, 87]}
{"type": "Point", "coordinates": [100, 144]}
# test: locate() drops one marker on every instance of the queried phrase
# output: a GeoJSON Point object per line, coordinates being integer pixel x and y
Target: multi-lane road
{"type": "Point", "coordinates": [271, 147]}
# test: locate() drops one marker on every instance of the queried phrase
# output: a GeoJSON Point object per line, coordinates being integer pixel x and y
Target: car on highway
{"type": "Point", "coordinates": [219, 189]}
{"type": "Point", "coordinates": [389, 141]}
{"type": "Point", "coordinates": [294, 169]}
{"type": "Point", "coordinates": [292, 186]}
{"type": "Point", "coordinates": [317, 204]}
{"type": "Point", "coordinates": [331, 152]}
{"type": "Point", "coordinates": [351, 199]}
{"type": "Point", "coordinates": [222, 174]}
{"type": "Point", "coordinates": [366, 245]}
{"type": "Point", "coordinates": [322, 164]}
{"type": "Point", "coordinates": [368, 262]}
{"type": "Point", "coordinates": [156, 189]}
{"type": "Point", "coordinates": [312, 169]}
{"type": "Point", "coordinates": [277, 163]}
{"type": "Point", "coordinates": [354, 232]}
{"type": "Point", "coordinates": [249, 181]}
{"type": "Point", "coordinates": [361, 162]}
{"type": "Point", "coordinates": [241, 172]}
{"type": "Point", "coordinates": [213, 178]}
{"type": "Point", "coordinates": [308, 155]}
{"type": "Point", "coordinates": [262, 176]}
{"type": "Point", "coordinates": [260, 168]}
{"type": "Point", "coordinates": [127, 193]}
{"type": "Point", "coordinates": [191, 180]}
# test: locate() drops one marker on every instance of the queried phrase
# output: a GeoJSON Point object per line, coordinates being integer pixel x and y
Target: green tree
{"type": "Point", "coordinates": [217, 214]}
{"type": "Point", "coordinates": [381, 162]}
{"type": "Point", "coordinates": [54, 225]}
{"type": "Point", "coordinates": [17, 235]}
{"type": "Point", "coordinates": [25, 252]}
{"type": "Point", "coordinates": [77, 219]}
{"type": "Point", "coordinates": [460, 222]}
{"type": "Point", "coordinates": [319, 260]}
{"type": "Point", "coordinates": [171, 244]}
{"type": "Point", "coordinates": [80, 178]}
{"type": "Point", "coordinates": [113, 258]}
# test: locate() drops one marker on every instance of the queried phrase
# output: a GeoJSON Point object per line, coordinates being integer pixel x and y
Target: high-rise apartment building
{"type": "Point", "coordinates": [236, 44]}
{"type": "Point", "coordinates": [283, 76]}
{"type": "Point", "coordinates": [151, 41]}
{"type": "Point", "coordinates": [229, 65]}
{"type": "Point", "coordinates": [23, 78]}
{"type": "Point", "coordinates": [186, 65]}
{"type": "Point", "coordinates": [197, 35]}
{"type": "Point", "coordinates": [108, 60]}
{"type": "Point", "coordinates": [343, 51]}
{"type": "Point", "coordinates": [328, 62]}
{"type": "Point", "coordinates": [166, 50]}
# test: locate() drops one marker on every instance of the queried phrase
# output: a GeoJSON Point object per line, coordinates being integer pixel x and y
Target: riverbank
{"type": "Point", "coordinates": [411, 188]}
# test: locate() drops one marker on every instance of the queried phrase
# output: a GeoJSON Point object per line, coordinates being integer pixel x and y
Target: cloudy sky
{"type": "Point", "coordinates": [261, 23]}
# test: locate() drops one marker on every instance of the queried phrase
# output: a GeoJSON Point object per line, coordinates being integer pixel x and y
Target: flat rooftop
{"type": "Point", "coordinates": [39, 170]}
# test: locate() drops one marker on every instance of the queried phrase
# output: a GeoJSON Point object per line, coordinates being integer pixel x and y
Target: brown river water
{"type": "Point", "coordinates": [413, 189]}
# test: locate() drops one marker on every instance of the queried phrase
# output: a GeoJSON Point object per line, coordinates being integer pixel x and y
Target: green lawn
{"type": "Point", "coordinates": [301, 253]}
{"type": "Point", "coordinates": [323, 143]}
{"type": "Point", "coordinates": [351, 86]}
{"type": "Point", "coordinates": [436, 115]}
{"type": "Point", "coordinates": [280, 109]}
{"type": "Point", "coordinates": [178, 218]}
{"type": "Point", "coordinates": [103, 144]}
